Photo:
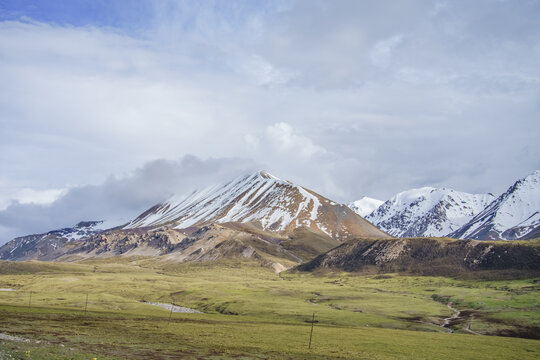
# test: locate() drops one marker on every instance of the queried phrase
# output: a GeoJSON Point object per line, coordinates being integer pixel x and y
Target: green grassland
{"type": "Point", "coordinates": [250, 312]}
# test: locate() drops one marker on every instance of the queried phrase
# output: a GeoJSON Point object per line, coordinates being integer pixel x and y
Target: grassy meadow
{"type": "Point", "coordinates": [250, 312]}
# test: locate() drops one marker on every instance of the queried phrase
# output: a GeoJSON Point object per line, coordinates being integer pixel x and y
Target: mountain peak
{"type": "Point", "coordinates": [513, 215]}
{"type": "Point", "coordinates": [263, 201]}
{"type": "Point", "coordinates": [266, 175]}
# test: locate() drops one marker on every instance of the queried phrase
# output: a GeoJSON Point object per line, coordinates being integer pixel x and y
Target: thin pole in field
{"type": "Point", "coordinates": [86, 304]}
{"type": "Point", "coordinates": [311, 333]}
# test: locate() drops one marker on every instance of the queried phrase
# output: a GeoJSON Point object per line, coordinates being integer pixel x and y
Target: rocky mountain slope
{"type": "Point", "coordinates": [513, 215]}
{"type": "Point", "coordinates": [428, 212]}
{"type": "Point", "coordinates": [269, 203]}
{"type": "Point", "coordinates": [428, 256]}
{"type": "Point", "coordinates": [49, 245]}
{"type": "Point", "coordinates": [212, 242]}
{"type": "Point", "coordinates": [365, 206]}
{"type": "Point", "coordinates": [208, 243]}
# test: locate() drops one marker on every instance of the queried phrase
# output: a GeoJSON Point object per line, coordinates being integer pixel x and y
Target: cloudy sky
{"type": "Point", "coordinates": [107, 107]}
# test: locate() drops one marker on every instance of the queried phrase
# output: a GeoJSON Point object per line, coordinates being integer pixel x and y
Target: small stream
{"type": "Point", "coordinates": [459, 317]}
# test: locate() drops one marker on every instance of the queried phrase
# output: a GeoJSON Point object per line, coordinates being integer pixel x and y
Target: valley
{"type": "Point", "coordinates": [250, 312]}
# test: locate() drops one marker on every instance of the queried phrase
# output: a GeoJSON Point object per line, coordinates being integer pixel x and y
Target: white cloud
{"type": "Point", "coordinates": [424, 76]}
{"type": "Point", "coordinates": [265, 74]}
{"type": "Point", "coordinates": [381, 53]}
{"type": "Point", "coordinates": [32, 196]}
{"type": "Point", "coordinates": [41, 197]}
{"type": "Point", "coordinates": [283, 139]}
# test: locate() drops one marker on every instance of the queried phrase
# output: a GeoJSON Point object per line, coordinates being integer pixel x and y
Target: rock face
{"type": "Point", "coordinates": [266, 202]}
{"type": "Point", "coordinates": [513, 215]}
{"type": "Point", "coordinates": [428, 212]}
{"type": "Point", "coordinates": [50, 245]}
{"type": "Point", "coordinates": [428, 256]}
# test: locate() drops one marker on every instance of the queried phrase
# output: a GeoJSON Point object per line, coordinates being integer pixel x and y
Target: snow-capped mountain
{"type": "Point", "coordinates": [49, 245]}
{"type": "Point", "coordinates": [365, 206]}
{"type": "Point", "coordinates": [428, 211]}
{"type": "Point", "coordinates": [264, 201]}
{"type": "Point", "coordinates": [513, 215]}
{"type": "Point", "coordinates": [255, 216]}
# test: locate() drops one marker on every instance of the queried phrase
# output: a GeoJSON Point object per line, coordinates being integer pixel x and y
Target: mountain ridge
{"type": "Point", "coordinates": [429, 256]}
{"type": "Point", "coordinates": [49, 245]}
{"type": "Point", "coordinates": [427, 211]}
{"type": "Point", "coordinates": [515, 214]}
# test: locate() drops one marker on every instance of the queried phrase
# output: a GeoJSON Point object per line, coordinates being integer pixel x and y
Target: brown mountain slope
{"type": "Point", "coordinates": [428, 256]}
{"type": "Point", "coordinates": [209, 243]}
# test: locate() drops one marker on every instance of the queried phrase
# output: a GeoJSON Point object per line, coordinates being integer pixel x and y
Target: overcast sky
{"type": "Point", "coordinates": [107, 107]}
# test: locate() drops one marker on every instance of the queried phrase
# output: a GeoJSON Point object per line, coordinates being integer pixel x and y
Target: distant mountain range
{"type": "Point", "coordinates": [255, 216]}
{"type": "Point", "coordinates": [277, 223]}
{"type": "Point", "coordinates": [428, 211]}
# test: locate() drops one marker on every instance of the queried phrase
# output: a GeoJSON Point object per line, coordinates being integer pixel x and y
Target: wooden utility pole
{"type": "Point", "coordinates": [311, 333]}
{"type": "Point", "coordinates": [86, 304]}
